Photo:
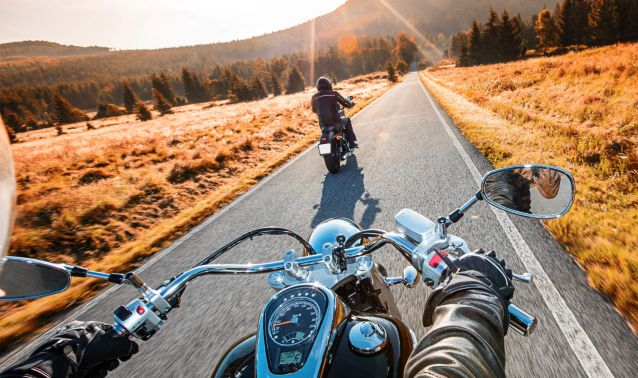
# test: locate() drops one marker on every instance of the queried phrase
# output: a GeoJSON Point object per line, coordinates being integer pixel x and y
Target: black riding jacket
{"type": "Point", "coordinates": [325, 104]}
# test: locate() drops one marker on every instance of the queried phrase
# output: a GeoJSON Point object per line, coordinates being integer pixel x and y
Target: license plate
{"type": "Point", "coordinates": [325, 149]}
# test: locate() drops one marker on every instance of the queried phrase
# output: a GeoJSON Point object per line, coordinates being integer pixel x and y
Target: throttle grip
{"type": "Point", "coordinates": [521, 321]}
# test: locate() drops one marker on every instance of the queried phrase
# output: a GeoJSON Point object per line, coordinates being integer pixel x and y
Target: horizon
{"type": "Point", "coordinates": [112, 24]}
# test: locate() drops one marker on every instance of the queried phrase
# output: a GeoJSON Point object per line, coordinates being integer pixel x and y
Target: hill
{"type": "Point", "coordinates": [358, 17]}
{"type": "Point", "coordinates": [28, 49]}
{"type": "Point", "coordinates": [578, 111]}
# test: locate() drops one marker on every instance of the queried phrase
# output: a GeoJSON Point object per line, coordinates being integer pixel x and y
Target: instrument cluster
{"type": "Point", "coordinates": [293, 319]}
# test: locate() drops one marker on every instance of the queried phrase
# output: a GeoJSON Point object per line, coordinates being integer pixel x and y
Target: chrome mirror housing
{"type": "Point", "coordinates": [410, 277]}
{"type": "Point", "coordinates": [531, 190]}
{"type": "Point", "coordinates": [23, 278]}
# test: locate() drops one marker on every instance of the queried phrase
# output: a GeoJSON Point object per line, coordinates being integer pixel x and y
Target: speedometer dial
{"type": "Point", "coordinates": [294, 322]}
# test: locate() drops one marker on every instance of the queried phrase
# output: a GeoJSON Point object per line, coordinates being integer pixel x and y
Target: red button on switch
{"type": "Point", "coordinates": [436, 259]}
{"type": "Point", "coordinates": [140, 310]}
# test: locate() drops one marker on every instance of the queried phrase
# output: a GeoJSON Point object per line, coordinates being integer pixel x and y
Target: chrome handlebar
{"type": "Point", "coordinates": [520, 320]}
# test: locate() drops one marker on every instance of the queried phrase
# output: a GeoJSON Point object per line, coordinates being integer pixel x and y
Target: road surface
{"type": "Point", "coordinates": [410, 155]}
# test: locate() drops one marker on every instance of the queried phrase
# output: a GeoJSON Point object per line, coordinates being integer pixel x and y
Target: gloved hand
{"type": "Point", "coordinates": [498, 277]}
{"type": "Point", "coordinates": [78, 349]}
{"type": "Point", "coordinates": [476, 271]}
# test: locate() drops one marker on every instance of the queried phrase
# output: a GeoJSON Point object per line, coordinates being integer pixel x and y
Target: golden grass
{"type": "Point", "coordinates": [107, 198]}
{"type": "Point", "coordinates": [578, 111]}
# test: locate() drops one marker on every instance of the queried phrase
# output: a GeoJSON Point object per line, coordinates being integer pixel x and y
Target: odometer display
{"type": "Point", "coordinates": [295, 321]}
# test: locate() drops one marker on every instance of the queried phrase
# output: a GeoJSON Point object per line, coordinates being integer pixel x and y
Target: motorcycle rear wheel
{"type": "Point", "coordinates": [332, 163]}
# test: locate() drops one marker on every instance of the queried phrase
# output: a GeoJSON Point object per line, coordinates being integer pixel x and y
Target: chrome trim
{"type": "Point", "coordinates": [58, 267]}
{"type": "Point", "coordinates": [335, 314]}
{"type": "Point", "coordinates": [168, 291]}
{"type": "Point", "coordinates": [528, 215]}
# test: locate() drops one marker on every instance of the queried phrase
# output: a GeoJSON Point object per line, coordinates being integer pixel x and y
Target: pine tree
{"type": "Point", "coordinates": [259, 89]}
{"type": "Point", "coordinates": [12, 135]}
{"type": "Point", "coordinates": [490, 39]}
{"type": "Point", "coordinates": [603, 21]}
{"type": "Point", "coordinates": [162, 105]}
{"type": "Point", "coordinates": [392, 75]}
{"type": "Point", "coordinates": [406, 48]}
{"type": "Point", "coordinates": [295, 81]}
{"type": "Point", "coordinates": [13, 121]}
{"type": "Point", "coordinates": [239, 90]}
{"type": "Point", "coordinates": [160, 83]}
{"type": "Point", "coordinates": [565, 25]}
{"type": "Point", "coordinates": [402, 67]}
{"type": "Point", "coordinates": [629, 22]}
{"type": "Point", "coordinates": [63, 112]}
{"type": "Point", "coordinates": [143, 113]}
{"type": "Point", "coordinates": [581, 23]}
{"type": "Point", "coordinates": [511, 38]}
{"type": "Point", "coordinates": [463, 59]}
{"type": "Point", "coordinates": [275, 85]}
{"type": "Point", "coordinates": [474, 49]}
{"type": "Point", "coordinates": [129, 98]}
{"type": "Point", "coordinates": [193, 87]}
{"type": "Point", "coordinates": [545, 30]}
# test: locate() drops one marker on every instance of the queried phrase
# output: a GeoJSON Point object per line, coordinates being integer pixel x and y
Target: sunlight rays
{"type": "Point", "coordinates": [410, 27]}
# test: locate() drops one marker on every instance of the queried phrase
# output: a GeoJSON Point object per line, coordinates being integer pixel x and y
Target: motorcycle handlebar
{"type": "Point", "coordinates": [520, 321]}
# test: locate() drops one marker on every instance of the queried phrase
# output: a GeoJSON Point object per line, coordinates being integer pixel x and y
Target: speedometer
{"type": "Point", "coordinates": [294, 321]}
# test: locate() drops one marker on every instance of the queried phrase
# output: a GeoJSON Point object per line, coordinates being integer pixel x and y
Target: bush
{"type": "Point", "coordinates": [109, 110]}
{"type": "Point", "coordinates": [143, 113]}
{"type": "Point", "coordinates": [189, 170]}
{"type": "Point", "coordinates": [94, 175]}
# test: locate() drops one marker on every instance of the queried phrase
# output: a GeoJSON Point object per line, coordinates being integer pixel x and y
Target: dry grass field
{"type": "Point", "coordinates": [578, 111]}
{"type": "Point", "coordinates": [106, 198]}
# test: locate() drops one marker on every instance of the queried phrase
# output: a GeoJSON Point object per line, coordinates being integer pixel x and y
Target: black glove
{"type": "Point", "coordinates": [476, 270]}
{"type": "Point", "coordinates": [78, 349]}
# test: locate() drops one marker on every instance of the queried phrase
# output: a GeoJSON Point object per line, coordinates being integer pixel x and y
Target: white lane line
{"type": "Point", "coordinates": [19, 353]}
{"type": "Point", "coordinates": [587, 354]}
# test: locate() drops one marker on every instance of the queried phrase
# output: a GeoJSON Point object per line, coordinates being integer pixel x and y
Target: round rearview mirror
{"type": "Point", "coordinates": [532, 190]}
{"type": "Point", "coordinates": [22, 278]}
{"type": "Point", "coordinates": [350, 98]}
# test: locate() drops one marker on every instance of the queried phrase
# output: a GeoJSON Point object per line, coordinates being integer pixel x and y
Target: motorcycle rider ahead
{"type": "Point", "coordinates": [467, 314]}
{"type": "Point", "coordinates": [325, 103]}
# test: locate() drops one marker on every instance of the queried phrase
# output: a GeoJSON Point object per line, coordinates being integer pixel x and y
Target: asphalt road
{"type": "Point", "coordinates": [407, 159]}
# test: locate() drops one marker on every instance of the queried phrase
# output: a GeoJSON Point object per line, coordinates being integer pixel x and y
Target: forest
{"type": "Point", "coordinates": [39, 106]}
{"type": "Point", "coordinates": [573, 24]}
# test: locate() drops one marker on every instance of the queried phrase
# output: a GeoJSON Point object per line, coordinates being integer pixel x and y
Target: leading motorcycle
{"type": "Point", "coordinates": [333, 145]}
{"type": "Point", "coordinates": [333, 314]}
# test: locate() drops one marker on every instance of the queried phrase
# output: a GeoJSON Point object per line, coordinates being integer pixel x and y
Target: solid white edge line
{"type": "Point", "coordinates": [16, 355]}
{"type": "Point", "coordinates": [587, 354]}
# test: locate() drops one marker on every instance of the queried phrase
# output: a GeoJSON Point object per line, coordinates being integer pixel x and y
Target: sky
{"type": "Point", "coordinates": [140, 24]}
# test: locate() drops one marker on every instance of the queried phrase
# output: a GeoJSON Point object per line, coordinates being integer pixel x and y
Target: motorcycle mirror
{"type": "Point", "coordinates": [531, 190]}
{"type": "Point", "coordinates": [410, 277]}
{"type": "Point", "coordinates": [22, 278]}
{"type": "Point", "coordinates": [350, 98]}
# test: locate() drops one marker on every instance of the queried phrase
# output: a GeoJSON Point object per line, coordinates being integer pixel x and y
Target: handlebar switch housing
{"type": "Point", "coordinates": [138, 319]}
{"type": "Point", "coordinates": [432, 269]}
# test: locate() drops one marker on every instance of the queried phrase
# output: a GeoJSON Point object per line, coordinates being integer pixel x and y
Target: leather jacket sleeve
{"type": "Point", "coordinates": [342, 100]}
{"type": "Point", "coordinates": [466, 339]}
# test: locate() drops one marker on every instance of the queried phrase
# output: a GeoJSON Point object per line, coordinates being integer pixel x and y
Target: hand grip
{"type": "Point", "coordinates": [521, 321]}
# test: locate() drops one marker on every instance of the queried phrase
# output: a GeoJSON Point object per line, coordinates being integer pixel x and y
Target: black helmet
{"type": "Point", "coordinates": [323, 83]}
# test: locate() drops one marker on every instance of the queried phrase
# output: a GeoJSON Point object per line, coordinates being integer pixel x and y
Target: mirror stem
{"type": "Point", "coordinates": [457, 214]}
{"type": "Point", "coordinates": [78, 271]}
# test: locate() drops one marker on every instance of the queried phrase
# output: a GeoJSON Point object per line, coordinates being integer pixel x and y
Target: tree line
{"type": "Point", "coordinates": [34, 107]}
{"type": "Point", "coordinates": [573, 23]}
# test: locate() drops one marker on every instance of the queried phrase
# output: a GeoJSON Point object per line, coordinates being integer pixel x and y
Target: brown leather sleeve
{"type": "Point", "coordinates": [465, 340]}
